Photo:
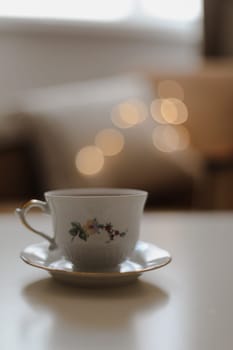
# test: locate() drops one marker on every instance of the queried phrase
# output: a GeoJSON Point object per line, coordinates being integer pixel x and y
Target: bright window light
{"type": "Point", "coordinates": [86, 10]}
{"type": "Point", "coordinates": [173, 10]}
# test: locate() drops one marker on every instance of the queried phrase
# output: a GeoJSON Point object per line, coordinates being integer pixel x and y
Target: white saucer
{"type": "Point", "coordinates": [145, 257]}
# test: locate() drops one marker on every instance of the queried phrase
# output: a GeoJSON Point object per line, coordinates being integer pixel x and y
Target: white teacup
{"type": "Point", "coordinates": [95, 228]}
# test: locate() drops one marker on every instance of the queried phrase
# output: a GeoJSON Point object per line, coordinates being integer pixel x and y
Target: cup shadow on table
{"type": "Point", "coordinates": [102, 308]}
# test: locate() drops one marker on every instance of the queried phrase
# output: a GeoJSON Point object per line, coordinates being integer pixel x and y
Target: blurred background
{"type": "Point", "coordinates": [127, 93]}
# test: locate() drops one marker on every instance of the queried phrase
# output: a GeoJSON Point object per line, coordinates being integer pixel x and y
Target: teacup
{"type": "Point", "coordinates": [95, 228]}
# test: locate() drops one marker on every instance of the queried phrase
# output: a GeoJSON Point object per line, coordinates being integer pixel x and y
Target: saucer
{"type": "Point", "coordinates": [145, 257]}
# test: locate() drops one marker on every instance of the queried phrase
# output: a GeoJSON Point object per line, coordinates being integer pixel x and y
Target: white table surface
{"type": "Point", "coordinates": [186, 305]}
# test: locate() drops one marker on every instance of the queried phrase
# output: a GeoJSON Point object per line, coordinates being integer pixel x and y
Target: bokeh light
{"type": "Point", "coordinates": [167, 138]}
{"type": "Point", "coordinates": [155, 110]}
{"type": "Point", "coordinates": [129, 113]}
{"type": "Point", "coordinates": [110, 141]}
{"type": "Point", "coordinates": [170, 89]}
{"type": "Point", "coordinates": [174, 111]}
{"type": "Point", "coordinates": [169, 111]}
{"type": "Point", "coordinates": [89, 160]}
{"type": "Point", "coordinates": [184, 137]}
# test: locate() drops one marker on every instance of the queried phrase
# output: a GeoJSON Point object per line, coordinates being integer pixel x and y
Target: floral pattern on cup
{"type": "Point", "coordinates": [92, 227]}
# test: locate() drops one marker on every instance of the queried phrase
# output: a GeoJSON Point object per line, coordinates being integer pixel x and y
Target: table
{"type": "Point", "coordinates": [186, 305]}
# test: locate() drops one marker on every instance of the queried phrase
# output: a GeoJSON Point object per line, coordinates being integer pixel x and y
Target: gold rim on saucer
{"type": "Point", "coordinates": [145, 257]}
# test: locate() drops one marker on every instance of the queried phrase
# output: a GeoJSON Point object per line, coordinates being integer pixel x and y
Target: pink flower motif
{"type": "Point", "coordinates": [91, 227]}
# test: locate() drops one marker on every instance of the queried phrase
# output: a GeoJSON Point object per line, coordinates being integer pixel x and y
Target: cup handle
{"type": "Point", "coordinates": [22, 213]}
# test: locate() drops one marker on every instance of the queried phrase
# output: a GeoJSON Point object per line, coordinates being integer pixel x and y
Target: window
{"type": "Point", "coordinates": [174, 11]}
